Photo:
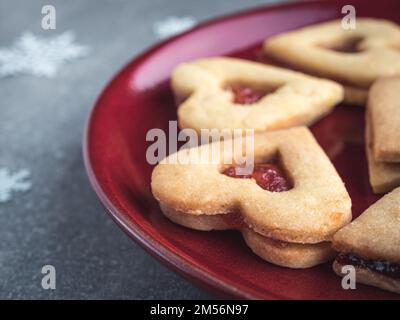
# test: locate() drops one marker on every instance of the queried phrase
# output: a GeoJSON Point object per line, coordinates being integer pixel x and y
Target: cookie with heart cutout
{"type": "Point", "coordinates": [232, 93]}
{"type": "Point", "coordinates": [293, 196]}
{"type": "Point", "coordinates": [354, 58]}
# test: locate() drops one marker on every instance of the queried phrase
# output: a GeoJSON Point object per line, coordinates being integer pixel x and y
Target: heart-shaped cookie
{"type": "Point", "coordinates": [301, 218]}
{"type": "Point", "coordinates": [354, 57]}
{"type": "Point", "coordinates": [228, 93]}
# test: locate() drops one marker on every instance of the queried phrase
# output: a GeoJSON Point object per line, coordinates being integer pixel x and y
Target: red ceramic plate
{"type": "Point", "coordinates": [139, 98]}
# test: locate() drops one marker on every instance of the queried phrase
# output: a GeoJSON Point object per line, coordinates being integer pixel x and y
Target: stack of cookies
{"type": "Point", "coordinates": [383, 134]}
{"type": "Point", "coordinates": [293, 209]}
{"type": "Point", "coordinates": [287, 210]}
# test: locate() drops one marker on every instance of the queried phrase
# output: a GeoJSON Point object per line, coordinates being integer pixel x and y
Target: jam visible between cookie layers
{"type": "Point", "coordinates": [247, 95]}
{"type": "Point", "coordinates": [385, 268]}
{"type": "Point", "coordinates": [268, 176]}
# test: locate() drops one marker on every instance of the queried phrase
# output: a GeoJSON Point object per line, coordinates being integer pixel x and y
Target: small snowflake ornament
{"type": "Point", "coordinates": [9, 183]}
{"type": "Point", "coordinates": [39, 56]}
{"type": "Point", "coordinates": [173, 25]}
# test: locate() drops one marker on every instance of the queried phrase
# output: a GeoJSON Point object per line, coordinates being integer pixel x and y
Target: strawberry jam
{"type": "Point", "coordinates": [383, 267]}
{"type": "Point", "coordinates": [246, 95]}
{"type": "Point", "coordinates": [268, 176]}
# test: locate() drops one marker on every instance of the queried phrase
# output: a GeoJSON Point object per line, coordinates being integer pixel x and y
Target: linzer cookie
{"type": "Point", "coordinates": [371, 243]}
{"type": "Point", "coordinates": [287, 208]}
{"type": "Point", "coordinates": [383, 176]}
{"type": "Point", "coordinates": [228, 93]}
{"type": "Point", "coordinates": [384, 112]}
{"type": "Point", "coordinates": [382, 134]}
{"type": "Point", "coordinates": [355, 57]}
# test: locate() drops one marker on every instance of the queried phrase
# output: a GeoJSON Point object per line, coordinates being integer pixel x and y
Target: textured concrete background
{"type": "Point", "coordinates": [60, 221]}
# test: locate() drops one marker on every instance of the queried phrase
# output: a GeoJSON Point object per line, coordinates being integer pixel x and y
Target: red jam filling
{"type": "Point", "coordinates": [387, 268]}
{"type": "Point", "coordinates": [246, 95]}
{"type": "Point", "coordinates": [268, 176]}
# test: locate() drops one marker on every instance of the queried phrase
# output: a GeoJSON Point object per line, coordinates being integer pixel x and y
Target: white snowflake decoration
{"type": "Point", "coordinates": [38, 55]}
{"type": "Point", "coordinates": [9, 183]}
{"type": "Point", "coordinates": [173, 25]}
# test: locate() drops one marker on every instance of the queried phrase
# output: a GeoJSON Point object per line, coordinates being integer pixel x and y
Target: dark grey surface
{"type": "Point", "coordinates": [60, 221]}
